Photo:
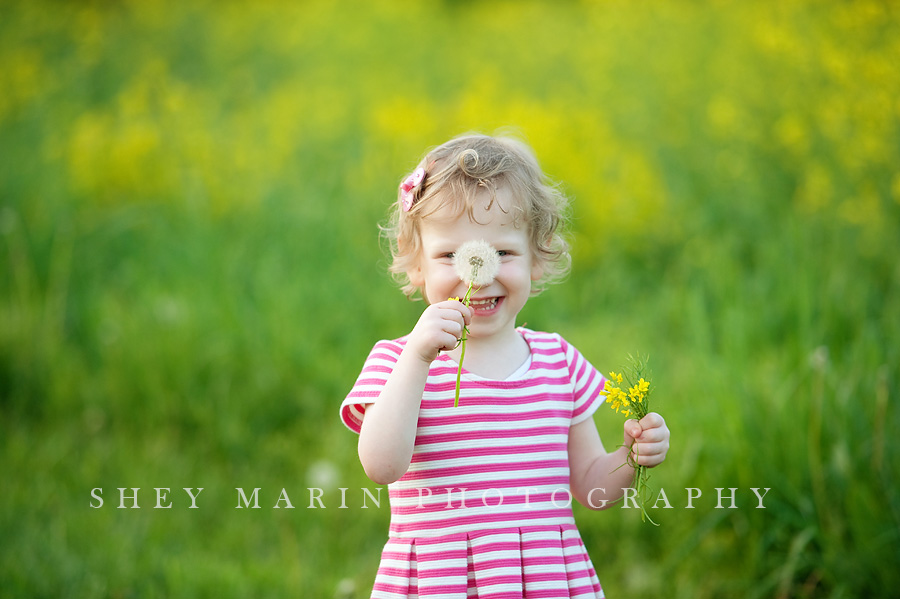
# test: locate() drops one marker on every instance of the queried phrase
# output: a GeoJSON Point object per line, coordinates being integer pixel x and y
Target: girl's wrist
{"type": "Point", "coordinates": [416, 357]}
{"type": "Point", "coordinates": [420, 355]}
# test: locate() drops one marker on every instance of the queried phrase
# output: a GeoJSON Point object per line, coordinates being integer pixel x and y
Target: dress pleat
{"type": "Point", "coordinates": [543, 563]}
{"type": "Point", "coordinates": [443, 570]}
{"type": "Point", "coordinates": [517, 563]}
{"type": "Point", "coordinates": [396, 578]}
{"type": "Point", "coordinates": [497, 564]}
{"type": "Point", "coordinates": [582, 579]}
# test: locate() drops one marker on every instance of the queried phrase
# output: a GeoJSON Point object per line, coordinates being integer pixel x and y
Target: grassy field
{"type": "Point", "coordinates": [191, 277]}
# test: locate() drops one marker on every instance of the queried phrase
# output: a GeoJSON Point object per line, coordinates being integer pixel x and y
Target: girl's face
{"type": "Point", "coordinates": [496, 305]}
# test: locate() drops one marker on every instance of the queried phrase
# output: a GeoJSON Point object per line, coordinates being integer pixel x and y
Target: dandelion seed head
{"type": "Point", "coordinates": [476, 262]}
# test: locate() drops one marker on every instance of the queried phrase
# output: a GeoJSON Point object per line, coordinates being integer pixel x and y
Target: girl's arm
{"type": "Point", "coordinates": [388, 431]}
{"type": "Point", "coordinates": [591, 467]}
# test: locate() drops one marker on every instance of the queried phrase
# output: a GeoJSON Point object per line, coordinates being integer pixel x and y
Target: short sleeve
{"type": "Point", "coordinates": [587, 382]}
{"type": "Point", "coordinates": [376, 370]}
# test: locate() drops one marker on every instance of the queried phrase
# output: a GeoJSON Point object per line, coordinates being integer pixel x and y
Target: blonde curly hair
{"type": "Point", "coordinates": [454, 174]}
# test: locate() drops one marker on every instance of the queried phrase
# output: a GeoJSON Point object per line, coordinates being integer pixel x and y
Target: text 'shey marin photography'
{"type": "Point", "coordinates": [456, 498]}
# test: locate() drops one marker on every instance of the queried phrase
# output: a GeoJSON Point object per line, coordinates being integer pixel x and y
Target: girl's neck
{"type": "Point", "coordinates": [495, 357]}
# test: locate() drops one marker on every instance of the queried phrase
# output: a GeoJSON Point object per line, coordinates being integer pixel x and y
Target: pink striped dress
{"type": "Point", "coordinates": [485, 508]}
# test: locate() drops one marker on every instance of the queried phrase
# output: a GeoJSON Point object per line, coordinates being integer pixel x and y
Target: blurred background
{"type": "Point", "coordinates": [191, 276]}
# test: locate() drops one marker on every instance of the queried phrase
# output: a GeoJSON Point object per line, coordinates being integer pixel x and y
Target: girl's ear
{"type": "Point", "coordinates": [415, 276]}
{"type": "Point", "coordinates": [414, 273]}
{"type": "Point", "coordinates": [537, 268]}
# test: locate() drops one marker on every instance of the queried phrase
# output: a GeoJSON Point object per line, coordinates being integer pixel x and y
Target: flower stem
{"type": "Point", "coordinates": [462, 354]}
{"type": "Point", "coordinates": [641, 488]}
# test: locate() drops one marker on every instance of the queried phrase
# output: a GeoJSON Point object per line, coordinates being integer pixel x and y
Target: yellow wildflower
{"type": "Point", "coordinates": [635, 394]}
{"type": "Point", "coordinates": [632, 404]}
{"type": "Point", "coordinates": [607, 390]}
{"type": "Point", "coordinates": [643, 385]}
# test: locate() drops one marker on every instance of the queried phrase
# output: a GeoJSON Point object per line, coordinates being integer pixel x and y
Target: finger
{"type": "Point", "coordinates": [454, 303]}
{"type": "Point", "coordinates": [467, 314]}
{"type": "Point", "coordinates": [455, 311]}
{"type": "Point", "coordinates": [650, 449]}
{"type": "Point", "coordinates": [649, 460]}
{"type": "Point", "coordinates": [649, 454]}
{"type": "Point", "coordinates": [633, 428]}
{"type": "Point", "coordinates": [459, 307]}
{"type": "Point", "coordinates": [452, 325]}
{"type": "Point", "coordinates": [654, 435]}
{"type": "Point", "coordinates": [448, 342]}
{"type": "Point", "coordinates": [652, 420]}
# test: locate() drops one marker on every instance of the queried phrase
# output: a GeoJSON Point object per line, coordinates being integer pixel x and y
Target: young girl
{"type": "Point", "coordinates": [481, 493]}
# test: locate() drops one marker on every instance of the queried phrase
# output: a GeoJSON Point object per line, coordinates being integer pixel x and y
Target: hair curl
{"type": "Point", "coordinates": [454, 174]}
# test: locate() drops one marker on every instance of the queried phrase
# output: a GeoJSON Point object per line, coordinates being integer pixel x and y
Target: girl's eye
{"type": "Point", "coordinates": [449, 255]}
{"type": "Point", "coordinates": [502, 253]}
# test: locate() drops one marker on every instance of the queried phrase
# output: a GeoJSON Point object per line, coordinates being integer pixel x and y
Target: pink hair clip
{"type": "Point", "coordinates": [409, 187]}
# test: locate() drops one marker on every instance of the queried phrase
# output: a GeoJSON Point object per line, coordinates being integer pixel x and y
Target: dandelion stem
{"type": "Point", "coordinates": [462, 354]}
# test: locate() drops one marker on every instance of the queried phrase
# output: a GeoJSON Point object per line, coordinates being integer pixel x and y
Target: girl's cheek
{"type": "Point", "coordinates": [511, 268]}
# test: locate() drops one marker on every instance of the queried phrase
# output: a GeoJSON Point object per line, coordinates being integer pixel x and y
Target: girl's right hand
{"type": "Point", "coordinates": [439, 329]}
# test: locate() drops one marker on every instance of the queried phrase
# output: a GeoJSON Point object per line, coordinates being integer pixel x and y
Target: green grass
{"type": "Point", "coordinates": [191, 277]}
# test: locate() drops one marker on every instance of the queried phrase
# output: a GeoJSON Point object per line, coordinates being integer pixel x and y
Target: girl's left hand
{"type": "Point", "coordinates": [648, 439]}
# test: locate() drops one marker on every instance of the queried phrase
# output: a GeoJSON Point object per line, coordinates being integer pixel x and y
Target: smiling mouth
{"type": "Point", "coordinates": [484, 305]}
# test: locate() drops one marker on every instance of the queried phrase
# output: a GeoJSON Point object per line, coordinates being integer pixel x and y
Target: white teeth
{"type": "Point", "coordinates": [484, 303]}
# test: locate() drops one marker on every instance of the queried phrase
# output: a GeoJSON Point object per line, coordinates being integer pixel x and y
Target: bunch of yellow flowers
{"type": "Point", "coordinates": [635, 403]}
{"type": "Point", "coordinates": [626, 403]}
